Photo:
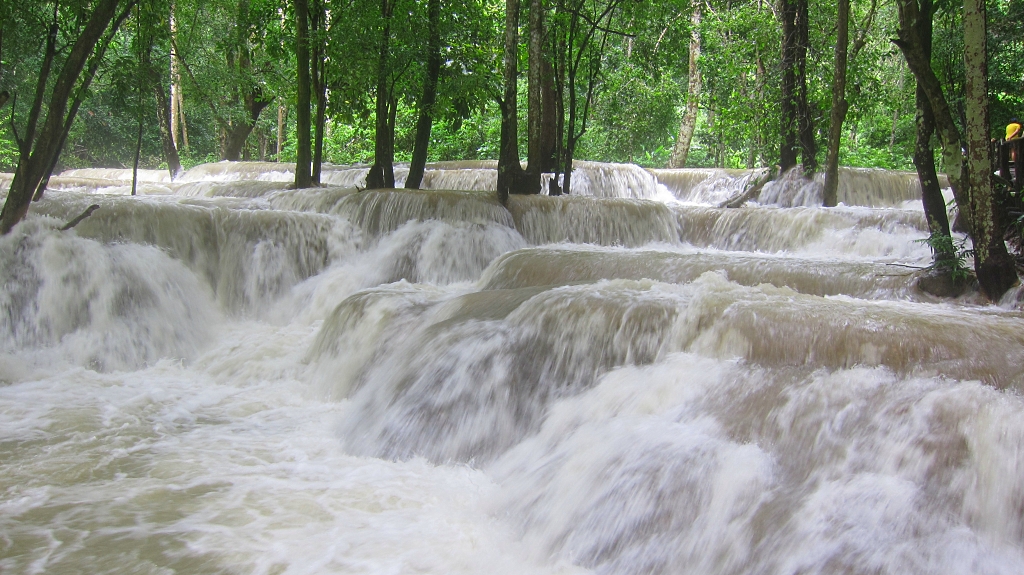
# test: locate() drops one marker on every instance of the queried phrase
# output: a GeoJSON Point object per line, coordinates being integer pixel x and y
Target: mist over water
{"type": "Point", "coordinates": [225, 375]}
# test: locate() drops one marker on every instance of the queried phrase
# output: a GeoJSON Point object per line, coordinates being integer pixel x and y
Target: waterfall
{"type": "Point", "coordinates": [229, 375]}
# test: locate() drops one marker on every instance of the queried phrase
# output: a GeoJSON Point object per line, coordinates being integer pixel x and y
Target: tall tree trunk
{"type": "Point", "coordinates": [919, 62]}
{"type": "Point", "coordinates": [924, 157]}
{"type": "Point", "coordinates": [382, 172]}
{"type": "Point", "coordinates": [175, 78]}
{"type": "Point", "coordinates": [426, 117]}
{"type": "Point", "coordinates": [805, 120]}
{"type": "Point", "coordinates": [682, 147]}
{"type": "Point", "coordinates": [303, 157]}
{"type": "Point", "coordinates": [535, 99]}
{"type": "Point", "coordinates": [320, 84]}
{"type": "Point", "coordinates": [924, 160]}
{"type": "Point", "coordinates": [38, 155]}
{"type": "Point", "coordinates": [558, 48]}
{"type": "Point", "coordinates": [166, 134]}
{"type": "Point", "coordinates": [76, 103]}
{"type": "Point", "coordinates": [839, 106]}
{"type": "Point", "coordinates": [992, 263]}
{"type": "Point", "coordinates": [236, 134]}
{"type": "Point", "coordinates": [788, 108]}
{"type": "Point", "coordinates": [510, 172]}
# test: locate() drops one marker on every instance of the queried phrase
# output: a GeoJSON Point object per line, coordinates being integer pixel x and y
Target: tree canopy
{"type": "Point", "coordinates": [235, 77]}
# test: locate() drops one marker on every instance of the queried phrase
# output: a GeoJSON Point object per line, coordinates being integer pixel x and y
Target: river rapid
{"type": "Point", "coordinates": [225, 375]}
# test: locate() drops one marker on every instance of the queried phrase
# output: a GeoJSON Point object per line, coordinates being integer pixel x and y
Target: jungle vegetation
{"type": "Point", "coordinates": [697, 83]}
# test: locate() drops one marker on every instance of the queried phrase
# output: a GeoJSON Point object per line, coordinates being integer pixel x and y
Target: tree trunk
{"type": "Point", "coordinates": [175, 79]}
{"type": "Point", "coordinates": [320, 84]}
{"type": "Point", "coordinates": [166, 134]}
{"type": "Point", "coordinates": [237, 134]}
{"type": "Point", "coordinates": [39, 155]}
{"type": "Point", "coordinates": [303, 158]}
{"type": "Point", "coordinates": [992, 263]}
{"type": "Point", "coordinates": [924, 158]}
{"type": "Point", "coordinates": [80, 94]}
{"type": "Point", "coordinates": [788, 108]}
{"type": "Point", "coordinates": [682, 148]}
{"type": "Point", "coordinates": [839, 106]}
{"type": "Point", "coordinates": [426, 118]}
{"type": "Point", "coordinates": [382, 172]}
{"type": "Point", "coordinates": [919, 63]}
{"type": "Point", "coordinates": [535, 100]}
{"type": "Point", "coordinates": [510, 172]}
{"type": "Point", "coordinates": [805, 120]}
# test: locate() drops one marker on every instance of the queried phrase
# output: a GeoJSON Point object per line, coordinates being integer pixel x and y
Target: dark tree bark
{"type": "Point", "coordinates": [38, 154]}
{"type": "Point", "coordinates": [80, 94]}
{"type": "Point", "coordinates": [510, 172]}
{"type": "Point", "coordinates": [919, 62]}
{"type": "Point", "coordinates": [303, 177]}
{"type": "Point", "coordinates": [236, 134]}
{"type": "Point", "coordinates": [320, 85]}
{"type": "Point", "coordinates": [805, 119]}
{"type": "Point", "coordinates": [924, 157]}
{"type": "Point", "coordinates": [382, 172]}
{"type": "Point", "coordinates": [839, 106]}
{"type": "Point", "coordinates": [535, 100]}
{"type": "Point", "coordinates": [426, 117]}
{"type": "Point", "coordinates": [788, 133]}
{"type": "Point", "coordinates": [924, 160]}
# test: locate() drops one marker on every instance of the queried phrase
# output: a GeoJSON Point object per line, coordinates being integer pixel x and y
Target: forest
{"type": "Point", "coordinates": [677, 83]}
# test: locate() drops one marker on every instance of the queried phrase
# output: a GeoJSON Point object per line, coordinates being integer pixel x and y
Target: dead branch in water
{"type": "Point", "coordinates": [88, 212]}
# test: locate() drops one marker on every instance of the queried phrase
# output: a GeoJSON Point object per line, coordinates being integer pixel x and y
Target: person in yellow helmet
{"type": "Point", "coordinates": [1014, 129]}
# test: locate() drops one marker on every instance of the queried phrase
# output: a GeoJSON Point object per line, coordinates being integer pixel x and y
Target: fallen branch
{"type": "Point", "coordinates": [748, 194]}
{"type": "Point", "coordinates": [88, 212]}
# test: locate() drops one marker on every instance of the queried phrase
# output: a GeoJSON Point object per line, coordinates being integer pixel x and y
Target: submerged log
{"type": "Point", "coordinates": [750, 193]}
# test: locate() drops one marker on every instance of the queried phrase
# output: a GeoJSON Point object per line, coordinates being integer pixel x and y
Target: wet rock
{"type": "Point", "coordinates": [940, 283]}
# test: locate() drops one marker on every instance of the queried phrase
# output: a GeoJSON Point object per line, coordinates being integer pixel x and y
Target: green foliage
{"type": "Point", "coordinates": [950, 254]}
{"type": "Point", "coordinates": [233, 47]}
{"type": "Point", "coordinates": [635, 119]}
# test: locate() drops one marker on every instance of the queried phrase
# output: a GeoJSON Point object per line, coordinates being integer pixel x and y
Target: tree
{"type": "Point", "coordinates": [682, 146]}
{"type": "Point", "coordinates": [426, 117]}
{"type": "Point", "coordinates": [511, 176]}
{"type": "Point", "coordinates": [303, 177]}
{"type": "Point", "coordinates": [583, 37]}
{"type": "Point", "coordinates": [924, 158]}
{"type": "Point", "coordinates": [992, 264]}
{"type": "Point", "coordinates": [840, 106]}
{"type": "Point", "coordinates": [382, 172]}
{"type": "Point", "coordinates": [38, 152]}
{"type": "Point", "coordinates": [797, 123]}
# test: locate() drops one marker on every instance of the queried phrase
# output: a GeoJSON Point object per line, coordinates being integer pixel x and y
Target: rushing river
{"type": "Point", "coordinates": [223, 375]}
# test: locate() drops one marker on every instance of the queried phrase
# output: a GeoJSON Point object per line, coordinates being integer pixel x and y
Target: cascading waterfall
{"type": "Point", "coordinates": [225, 375]}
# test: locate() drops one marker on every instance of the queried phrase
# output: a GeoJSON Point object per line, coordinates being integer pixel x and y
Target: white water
{"type": "Point", "coordinates": [242, 378]}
